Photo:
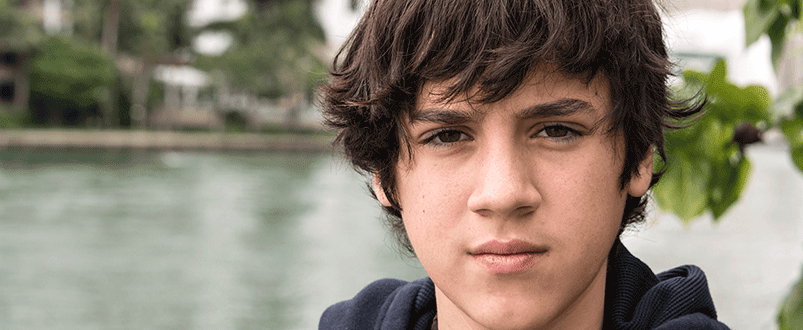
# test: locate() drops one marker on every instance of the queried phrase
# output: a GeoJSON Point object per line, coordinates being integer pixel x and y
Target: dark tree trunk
{"type": "Point", "coordinates": [22, 82]}
{"type": "Point", "coordinates": [109, 35]}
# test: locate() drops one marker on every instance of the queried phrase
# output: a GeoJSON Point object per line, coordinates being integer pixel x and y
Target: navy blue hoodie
{"type": "Point", "coordinates": [635, 298]}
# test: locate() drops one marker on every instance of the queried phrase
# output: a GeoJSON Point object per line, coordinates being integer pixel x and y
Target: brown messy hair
{"type": "Point", "coordinates": [493, 45]}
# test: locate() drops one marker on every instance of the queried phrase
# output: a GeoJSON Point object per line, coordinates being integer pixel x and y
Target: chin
{"type": "Point", "coordinates": [513, 315]}
{"type": "Point", "coordinates": [512, 323]}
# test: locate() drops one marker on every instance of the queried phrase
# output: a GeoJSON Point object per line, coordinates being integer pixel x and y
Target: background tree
{"type": "Point", "coordinates": [140, 35]}
{"type": "Point", "coordinates": [161, 36]}
{"type": "Point", "coordinates": [274, 52]}
{"type": "Point", "coordinates": [69, 81]}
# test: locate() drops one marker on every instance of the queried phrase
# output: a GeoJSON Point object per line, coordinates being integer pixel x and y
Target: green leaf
{"type": "Point", "coordinates": [729, 103]}
{"type": "Point", "coordinates": [790, 315]}
{"type": "Point", "coordinates": [694, 77]}
{"type": "Point", "coordinates": [719, 74]}
{"type": "Point", "coordinates": [758, 19]}
{"type": "Point", "coordinates": [797, 156]}
{"type": "Point", "coordinates": [757, 101]}
{"type": "Point", "coordinates": [784, 7]}
{"type": "Point", "coordinates": [727, 186]}
{"type": "Point", "coordinates": [683, 188]}
{"type": "Point", "coordinates": [777, 33]}
{"type": "Point", "coordinates": [793, 131]}
{"type": "Point", "coordinates": [713, 139]}
{"type": "Point", "coordinates": [706, 170]}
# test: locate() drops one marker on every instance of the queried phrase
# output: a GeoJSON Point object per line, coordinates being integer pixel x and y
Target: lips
{"type": "Point", "coordinates": [507, 257]}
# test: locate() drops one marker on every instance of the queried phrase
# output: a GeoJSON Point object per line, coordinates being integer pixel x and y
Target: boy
{"type": "Point", "coordinates": [510, 143]}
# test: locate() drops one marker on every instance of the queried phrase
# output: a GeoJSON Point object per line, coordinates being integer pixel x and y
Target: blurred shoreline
{"type": "Point", "coordinates": [165, 140]}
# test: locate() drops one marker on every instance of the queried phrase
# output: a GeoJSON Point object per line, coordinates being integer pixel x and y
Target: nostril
{"type": "Point", "coordinates": [525, 211]}
{"type": "Point", "coordinates": [484, 213]}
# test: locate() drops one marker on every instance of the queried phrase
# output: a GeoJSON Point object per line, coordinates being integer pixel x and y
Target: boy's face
{"type": "Point", "coordinates": [513, 206]}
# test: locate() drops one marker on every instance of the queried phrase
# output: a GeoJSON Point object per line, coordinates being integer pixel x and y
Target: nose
{"type": "Point", "coordinates": [504, 183]}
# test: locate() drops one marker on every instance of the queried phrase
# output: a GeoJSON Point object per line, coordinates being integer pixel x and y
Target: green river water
{"type": "Point", "coordinates": [133, 240]}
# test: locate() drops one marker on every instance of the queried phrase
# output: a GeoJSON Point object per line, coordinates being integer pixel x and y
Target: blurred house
{"type": "Point", "coordinates": [14, 82]}
{"type": "Point", "coordinates": [181, 108]}
{"type": "Point", "coordinates": [15, 58]}
{"type": "Point", "coordinates": [218, 104]}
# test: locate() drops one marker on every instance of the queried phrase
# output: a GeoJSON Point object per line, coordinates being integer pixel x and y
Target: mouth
{"type": "Point", "coordinates": [507, 257]}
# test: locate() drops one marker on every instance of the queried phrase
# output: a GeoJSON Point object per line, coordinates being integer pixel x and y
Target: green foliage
{"type": "Point", "coordinates": [790, 316]}
{"type": "Point", "coordinates": [19, 30]}
{"type": "Point", "coordinates": [11, 117]}
{"type": "Point", "coordinates": [708, 171]}
{"type": "Point", "coordinates": [155, 26]}
{"type": "Point", "coordinates": [773, 17]}
{"type": "Point", "coordinates": [70, 76]}
{"type": "Point", "coordinates": [146, 27]}
{"type": "Point", "coordinates": [781, 19]}
{"type": "Point", "coordinates": [71, 71]}
{"type": "Point", "coordinates": [791, 103]}
{"type": "Point", "coordinates": [274, 49]}
{"type": "Point", "coordinates": [87, 18]}
{"type": "Point", "coordinates": [793, 130]}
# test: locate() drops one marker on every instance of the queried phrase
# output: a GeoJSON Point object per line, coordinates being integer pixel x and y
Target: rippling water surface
{"type": "Point", "coordinates": [183, 240]}
{"type": "Point", "coordinates": [178, 240]}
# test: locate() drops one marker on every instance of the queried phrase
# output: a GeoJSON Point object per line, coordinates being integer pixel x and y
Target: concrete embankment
{"type": "Point", "coordinates": [162, 140]}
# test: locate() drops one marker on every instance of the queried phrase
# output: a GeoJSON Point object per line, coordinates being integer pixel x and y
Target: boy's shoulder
{"type": "Point", "coordinates": [636, 298]}
{"type": "Point", "coordinates": [385, 304]}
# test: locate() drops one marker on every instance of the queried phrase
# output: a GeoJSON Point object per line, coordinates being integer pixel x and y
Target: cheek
{"type": "Point", "coordinates": [431, 190]}
{"type": "Point", "coordinates": [433, 200]}
{"type": "Point", "coordinates": [586, 191]}
{"type": "Point", "coordinates": [582, 179]}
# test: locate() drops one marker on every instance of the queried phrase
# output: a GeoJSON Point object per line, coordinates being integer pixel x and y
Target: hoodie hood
{"type": "Point", "coordinates": [635, 298]}
{"type": "Point", "coordinates": [387, 304]}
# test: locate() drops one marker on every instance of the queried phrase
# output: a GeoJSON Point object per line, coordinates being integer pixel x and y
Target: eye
{"type": "Point", "coordinates": [557, 132]}
{"type": "Point", "coordinates": [446, 137]}
{"type": "Point", "coordinates": [449, 136]}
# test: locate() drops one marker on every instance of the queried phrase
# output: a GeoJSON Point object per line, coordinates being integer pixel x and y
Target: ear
{"type": "Point", "coordinates": [640, 182]}
{"type": "Point", "coordinates": [380, 193]}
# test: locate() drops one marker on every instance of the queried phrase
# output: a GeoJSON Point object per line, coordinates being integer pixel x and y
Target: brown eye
{"type": "Point", "coordinates": [449, 136]}
{"type": "Point", "coordinates": [446, 137]}
{"type": "Point", "coordinates": [556, 131]}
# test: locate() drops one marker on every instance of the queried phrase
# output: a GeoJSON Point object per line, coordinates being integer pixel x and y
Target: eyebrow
{"type": "Point", "coordinates": [557, 108]}
{"type": "Point", "coordinates": [445, 116]}
{"type": "Point", "coordinates": [561, 107]}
